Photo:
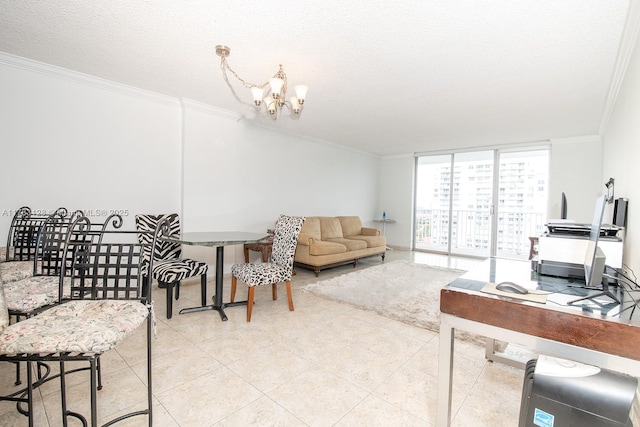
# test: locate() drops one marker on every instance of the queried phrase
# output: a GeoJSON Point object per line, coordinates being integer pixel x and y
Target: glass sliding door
{"type": "Point", "coordinates": [453, 203]}
{"type": "Point", "coordinates": [481, 203]}
{"type": "Point", "coordinates": [521, 212]}
{"type": "Point", "coordinates": [433, 202]}
{"type": "Point", "coordinates": [472, 203]}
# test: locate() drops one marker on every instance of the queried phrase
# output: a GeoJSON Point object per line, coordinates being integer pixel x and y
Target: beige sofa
{"type": "Point", "coordinates": [329, 241]}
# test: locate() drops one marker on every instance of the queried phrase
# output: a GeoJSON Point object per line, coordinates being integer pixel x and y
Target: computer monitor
{"type": "Point", "coordinates": [594, 258]}
{"type": "Point", "coordinates": [563, 206]}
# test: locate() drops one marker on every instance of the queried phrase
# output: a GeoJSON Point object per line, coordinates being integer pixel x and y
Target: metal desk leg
{"type": "Point", "coordinates": [445, 375]}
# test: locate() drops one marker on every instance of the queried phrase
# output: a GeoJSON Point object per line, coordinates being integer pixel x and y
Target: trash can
{"type": "Point", "coordinates": [562, 393]}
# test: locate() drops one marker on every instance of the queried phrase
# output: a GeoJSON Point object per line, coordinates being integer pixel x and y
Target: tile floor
{"type": "Point", "coordinates": [324, 364]}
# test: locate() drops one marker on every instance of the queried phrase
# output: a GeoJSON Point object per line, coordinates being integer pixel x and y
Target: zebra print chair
{"type": "Point", "coordinates": [168, 267]}
{"type": "Point", "coordinates": [279, 269]}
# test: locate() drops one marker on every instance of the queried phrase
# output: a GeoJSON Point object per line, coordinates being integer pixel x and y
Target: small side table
{"type": "Point", "coordinates": [384, 222]}
{"type": "Point", "coordinates": [264, 248]}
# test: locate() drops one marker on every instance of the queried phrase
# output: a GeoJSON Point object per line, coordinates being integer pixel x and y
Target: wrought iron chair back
{"type": "Point", "coordinates": [23, 233]}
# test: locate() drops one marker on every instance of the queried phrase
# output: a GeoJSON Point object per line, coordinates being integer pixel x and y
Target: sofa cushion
{"type": "Point", "coordinates": [351, 225]}
{"type": "Point", "coordinates": [320, 247]}
{"type": "Point", "coordinates": [331, 228]}
{"type": "Point", "coordinates": [310, 230]}
{"type": "Point", "coordinates": [351, 244]}
{"type": "Point", "coordinates": [371, 241]}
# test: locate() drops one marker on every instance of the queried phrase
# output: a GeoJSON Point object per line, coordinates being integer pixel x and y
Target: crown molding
{"type": "Point", "coordinates": [577, 140]}
{"type": "Point", "coordinates": [190, 104]}
{"type": "Point", "coordinates": [627, 44]}
{"type": "Point", "coordinates": [81, 78]}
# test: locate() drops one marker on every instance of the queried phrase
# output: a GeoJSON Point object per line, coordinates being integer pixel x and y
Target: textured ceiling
{"type": "Point", "coordinates": [384, 77]}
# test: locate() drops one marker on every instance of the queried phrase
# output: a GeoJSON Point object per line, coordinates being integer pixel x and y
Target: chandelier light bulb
{"type": "Point", "coordinates": [257, 93]}
{"type": "Point", "coordinates": [270, 104]}
{"type": "Point", "coordinates": [301, 93]}
{"type": "Point", "coordinates": [276, 86]}
{"type": "Point", "coordinates": [295, 106]}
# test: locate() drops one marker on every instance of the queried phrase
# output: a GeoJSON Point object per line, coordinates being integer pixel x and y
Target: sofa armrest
{"type": "Point", "coordinates": [368, 231]}
{"type": "Point", "coordinates": [305, 239]}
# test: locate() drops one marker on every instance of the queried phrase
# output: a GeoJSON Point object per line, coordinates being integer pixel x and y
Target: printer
{"type": "Point", "coordinates": [561, 249]}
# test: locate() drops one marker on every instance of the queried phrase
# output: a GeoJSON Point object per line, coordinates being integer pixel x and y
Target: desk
{"type": "Point", "coordinates": [219, 239]}
{"type": "Point", "coordinates": [603, 334]}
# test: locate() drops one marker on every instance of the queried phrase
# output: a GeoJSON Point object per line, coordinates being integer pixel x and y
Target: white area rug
{"type": "Point", "coordinates": [400, 290]}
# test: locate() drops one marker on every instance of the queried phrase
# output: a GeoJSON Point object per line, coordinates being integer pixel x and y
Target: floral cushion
{"type": "Point", "coordinates": [79, 326]}
{"type": "Point", "coordinates": [15, 270]}
{"type": "Point", "coordinates": [4, 313]}
{"type": "Point", "coordinates": [32, 293]}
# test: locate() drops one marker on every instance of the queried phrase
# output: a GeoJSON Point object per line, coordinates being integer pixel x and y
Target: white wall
{"type": "Point", "coordinates": [576, 170]}
{"type": "Point", "coordinates": [240, 176]}
{"type": "Point", "coordinates": [396, 198]}
{"type": "Point", "coordinates": [622, 154]}
{"type": "Point", "coordinates": [83, 143]}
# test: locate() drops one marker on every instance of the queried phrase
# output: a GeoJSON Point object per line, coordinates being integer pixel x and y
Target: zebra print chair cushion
{"type": "Point", "coordinates": [175, 270]}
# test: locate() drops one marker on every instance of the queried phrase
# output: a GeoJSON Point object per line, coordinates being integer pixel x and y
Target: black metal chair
{"type": "Point", "coordinates": [169, 268]}
{"type": "Point", "coordinates": [29, 296]}
{"type": "Point", "coordinates": [21, 255]}
{"type": "Point", "coordinates": [108, 301]}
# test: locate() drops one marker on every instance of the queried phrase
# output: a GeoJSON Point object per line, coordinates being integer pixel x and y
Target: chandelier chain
{"type": "Point", "coordinates": [224, 65]}
{"type": "Point", "coordinates": [276, 100]}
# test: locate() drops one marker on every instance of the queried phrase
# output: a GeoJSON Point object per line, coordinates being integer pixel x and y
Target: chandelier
{"type": "Point", "coordinates": [275, 100]}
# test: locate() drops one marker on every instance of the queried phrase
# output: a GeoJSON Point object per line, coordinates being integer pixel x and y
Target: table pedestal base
{"type": "Point", "coordinates": [219, 308]}
{"type": "Point", "coordinates": [217, 305]}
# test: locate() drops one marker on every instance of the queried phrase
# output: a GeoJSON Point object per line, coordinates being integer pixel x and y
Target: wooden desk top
{"type": "Point", "coordinates": [578, 325]}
